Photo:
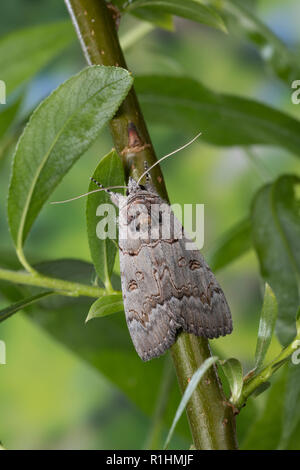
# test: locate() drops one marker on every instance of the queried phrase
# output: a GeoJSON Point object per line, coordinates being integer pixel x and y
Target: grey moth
{"type": "Point", "coordinates": [166, 287]}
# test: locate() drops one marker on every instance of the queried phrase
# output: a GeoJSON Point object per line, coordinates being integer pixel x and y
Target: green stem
{"type": "Point", "coordinates": [61, 286]}
{"type": "Point", "coordinates": [24, 262]}
{"type": "Point", "coordinates": [97, 33]}
{"type": "Point", "coordinates": [256, 380]}
{"type": "Point", "coordinates": [211, 419]}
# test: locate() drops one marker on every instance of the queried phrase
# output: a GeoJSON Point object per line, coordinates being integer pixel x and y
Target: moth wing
{"type": "Point", "coordinates": [168, 288]}
{"type": "Point", "coordinates": [152, 328]}
{"type": "Point", "coordinates": [203, 305]}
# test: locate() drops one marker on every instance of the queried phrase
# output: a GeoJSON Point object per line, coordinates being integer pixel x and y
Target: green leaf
{"type": "Point", "coordinates": [197, 376]}
{"type": "Point", "coordinates": [233, 371]}
{"type": "Point", "coordinates": [149, 14]}
{"type": "Point", "coordinates": [8, 115]}
{"type": "Point", "coordinates": [264, 434]}
{"type": "Point", "coordinates": [245, 419]}
{"type": "Point", "coordinates": [106, 305]}
{"type": "Point", "coordinates": [195, 10]}
{"type": "Point", "coordinates": [261, 389]}
{"type": "Point", "coordinates": [240, 19]}
{"type": "Point", "coordinates": [157, 17]}
{"type": "Point", "coordinates": [266, 327]}
{"type": "Point", "coordinates": [294, 443]}
{"type": "Point", "coordinates": [184, 103]}
{"type": "Point", "coordinates": [9, 311]}
{"type": "Point", "coordinates": [277, 427]}
{"type": "Point", "coordinates": [24, 52]}
{"type": "Point", "coordinates": [291, 412]}
{"type": "Point", "coordinates": [276, 235]}
{"type": "Point", "coordinates": [233, 244]}
{"type": "Point", "coordinates": [58, 133]}
{"type": "Point", "coordinates": [109, 172]}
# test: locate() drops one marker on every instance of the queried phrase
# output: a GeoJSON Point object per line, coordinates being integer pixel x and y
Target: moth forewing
{"type": "Point", "coordinates": [166, 286]}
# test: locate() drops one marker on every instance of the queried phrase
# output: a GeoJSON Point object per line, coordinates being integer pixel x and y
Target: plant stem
{"type": "Point", "coordinates": [211, 421]}
{"type": "Point", "coordinates": [61, 286]}
{"type": "Point", "coordinates": [24, 262]}
{"type": "Point", "coordinates": [255, 381]}
{"type": "Point", "coordinates": [96, 31]}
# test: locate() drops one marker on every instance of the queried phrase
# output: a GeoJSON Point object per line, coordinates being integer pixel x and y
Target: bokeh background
{"type": "Point", "coordinates": [49, 398]}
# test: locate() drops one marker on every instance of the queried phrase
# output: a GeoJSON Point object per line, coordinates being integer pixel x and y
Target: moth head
{"type": "Point", "coordinates": [134, 187]}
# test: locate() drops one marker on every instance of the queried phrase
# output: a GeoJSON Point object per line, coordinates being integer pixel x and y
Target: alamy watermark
{"type": "Point", "coordinates": [157, 222]}
{"type": "Point", "coordinates": [296, 94]}
{"type": "Point", "coordinates": [296, 354]}
{"type": "Point", "coordinates": [2, 352]}
{"type": "Point", "coordinates": [2, 92]}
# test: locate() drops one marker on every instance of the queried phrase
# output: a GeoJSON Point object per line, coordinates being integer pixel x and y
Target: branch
{"type": "Point", "coordinates": [61, 286]}
{"type": "Point", "coordinates": [254, 379]}
{"type": "Point", "coordinates": [211, 421]}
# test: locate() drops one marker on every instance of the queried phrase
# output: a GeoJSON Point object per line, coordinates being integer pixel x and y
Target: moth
{"type": "Point", "coordinates": [166, 287]}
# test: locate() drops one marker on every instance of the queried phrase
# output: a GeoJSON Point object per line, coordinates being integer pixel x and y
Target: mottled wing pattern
{"type": "Point", "coordinates": [167, 289]}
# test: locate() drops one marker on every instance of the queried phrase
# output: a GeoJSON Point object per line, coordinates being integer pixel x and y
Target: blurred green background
{"type": "Point", "coordinates": [48, 397]}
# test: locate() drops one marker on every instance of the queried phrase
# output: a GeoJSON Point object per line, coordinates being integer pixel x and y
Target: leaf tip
{"type": "Point", "coordinates": [88, 318]}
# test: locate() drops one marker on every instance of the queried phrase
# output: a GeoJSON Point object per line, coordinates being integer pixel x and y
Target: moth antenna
{"type": "Point", "coordinates": [90, 192]}
{"type": "Point", "coordinates": [169, 155]}
{"type": "Point", "coordinates": [146, 168]}
{"type": "Point", "coordinates": [99, 184]}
